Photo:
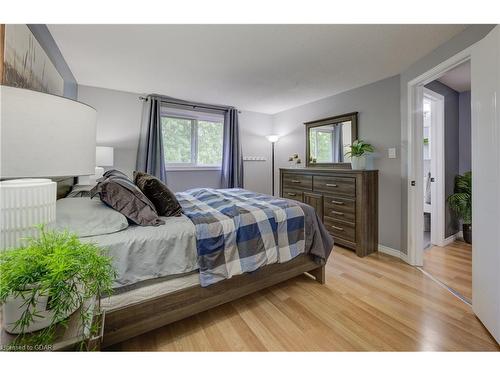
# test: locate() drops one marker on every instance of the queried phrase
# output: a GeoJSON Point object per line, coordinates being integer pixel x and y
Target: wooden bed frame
{"type": "Point", "coordinates": [142, 317]}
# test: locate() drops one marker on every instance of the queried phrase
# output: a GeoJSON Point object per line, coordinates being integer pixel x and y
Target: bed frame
{"type": "Point", "coordinates": [138, 318]}
{"type": "Point", "coordinates": [142, 317]}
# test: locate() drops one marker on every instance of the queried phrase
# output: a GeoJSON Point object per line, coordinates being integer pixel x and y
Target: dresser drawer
{"type": "Point", "coordinates": [341, 229]}
{"type": "Point", "coordinates": [335, 185]}
{"type": "Point", "coordinates": [332, 213]}
{"type": "Point", "coordinates": [341, 204]}
{"type": "Point", "coordinates": [297, 181]}
{"type": "Point", "coordinates": [294, 194]}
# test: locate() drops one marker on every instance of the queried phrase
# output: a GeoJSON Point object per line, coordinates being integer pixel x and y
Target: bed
{"type": "Point", "coordinates": [169, 272]}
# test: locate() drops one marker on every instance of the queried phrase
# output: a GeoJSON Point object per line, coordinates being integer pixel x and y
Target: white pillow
{"type": "Point", "coordinates": [88, 217]}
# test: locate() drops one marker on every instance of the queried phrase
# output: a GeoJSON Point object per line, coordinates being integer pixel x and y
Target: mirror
{"type": "Point", "coordinates": [329, 139]}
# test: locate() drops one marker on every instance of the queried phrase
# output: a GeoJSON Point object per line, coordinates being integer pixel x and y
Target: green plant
{"type": "Point", "coordinates": [359, 148]}
{"type": "Point", "coordinates": [57, 265]}
{"type": "Point", "coordinates": [461, 200]}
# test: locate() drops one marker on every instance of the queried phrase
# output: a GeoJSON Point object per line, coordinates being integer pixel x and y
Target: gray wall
{"type": "Point", "coordinates": [379, 124]}
{"type": "Point", "coordinates": [451, 146]}
{"type": "Point", "coordinates": [118, 125]}
{"type": "Point", "coordinates": [455, 45]}
{"type": "Point", "coordinates": [464, 138]}
{"type": "Point", "coordinates": [43, 36]}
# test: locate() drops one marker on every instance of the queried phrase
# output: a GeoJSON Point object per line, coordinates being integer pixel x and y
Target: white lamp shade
{"type": "Point", "coordinates": [104, 156]}
{"type": "Point", "coordinates": [273, 138]}
{"type": "Point", "coordinates": [24, 204]}
{"type": "Point", "coordinates": [45, 135]}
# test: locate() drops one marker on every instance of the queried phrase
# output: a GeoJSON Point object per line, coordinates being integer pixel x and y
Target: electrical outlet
{"type": "Point", "coordinates": [391, 153]}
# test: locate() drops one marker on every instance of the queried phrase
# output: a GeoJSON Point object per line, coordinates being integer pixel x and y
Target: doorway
{"type": "Point", "coordinates": [445, 158]}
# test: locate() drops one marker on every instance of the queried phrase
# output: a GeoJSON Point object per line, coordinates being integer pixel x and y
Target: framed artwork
{"type": "Point", "coordinates": [25, 64]}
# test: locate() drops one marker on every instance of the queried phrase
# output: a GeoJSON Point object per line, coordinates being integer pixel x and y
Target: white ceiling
{"type": "Point", "coordinates": [263, 68]}
{"type": "Point", "coordinates": [457, 78]}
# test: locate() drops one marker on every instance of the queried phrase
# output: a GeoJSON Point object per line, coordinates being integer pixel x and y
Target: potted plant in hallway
{"type": "Point", "coordinates": [45, 281]}
{"type": "Point", "coordinates": [357, 153]}
{"type": "Point", "coordinates": [460, 203]}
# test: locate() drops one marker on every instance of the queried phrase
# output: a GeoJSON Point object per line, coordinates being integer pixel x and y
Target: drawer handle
{"type": "Point", "coordinates": [337, 213]}
{"type": "Point", "coordinates": [337, 228]}
{"type": "Point", "coordinates": [332, 185]}
{"type": "Point", "coordinates": [296, 181]}
{"type": "Point", "coordinates": [337, 202]}
{"type": "Point", "coordinates": [292, 194]}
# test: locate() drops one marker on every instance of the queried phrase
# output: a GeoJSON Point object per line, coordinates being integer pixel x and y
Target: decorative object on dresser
{"type": "Point", "coordinates": [345, 200]}
{"type": "Point", "coordinates": [328, 140]}
{"type": "Point", "coordinates": [357, 152]}
{"type": "Point", "coordinates": [273, 138]}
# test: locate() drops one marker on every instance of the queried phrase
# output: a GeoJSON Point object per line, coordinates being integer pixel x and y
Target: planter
{"type": "Point", "coordinates": [467, 232]}
{"type": "Point", "coordinates": [358, 162]}
{"type": "Point", "coordinates": [15, 306]}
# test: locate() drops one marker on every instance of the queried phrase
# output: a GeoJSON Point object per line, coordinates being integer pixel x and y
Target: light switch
{"type": "Point", "coordinates": [391, 153]}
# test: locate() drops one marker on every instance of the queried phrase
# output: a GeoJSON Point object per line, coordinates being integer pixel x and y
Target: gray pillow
{"type": "Point", "coordinates": [125, 197]}
{"type": "Point", "coordinates": [88, 217]}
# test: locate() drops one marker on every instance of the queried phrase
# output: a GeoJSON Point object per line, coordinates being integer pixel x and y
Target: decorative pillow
{"type": "Point", "coordinates": [122, 195]}
{"type": "Point", "coordinates": [88, 217]}
{"type": "Point", "coordinates": [80, 191]}
{"type": "Point", "coordinates": [115, 173]}
{"type": "Point", "coordinates": [162, 197]}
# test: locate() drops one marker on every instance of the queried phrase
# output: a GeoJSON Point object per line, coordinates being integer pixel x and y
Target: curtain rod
{"type": "Point", "coordinates": [212, 107]}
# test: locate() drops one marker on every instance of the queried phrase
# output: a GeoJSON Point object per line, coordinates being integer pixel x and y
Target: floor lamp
{"type": "Point", "coordinates": [273, 138]}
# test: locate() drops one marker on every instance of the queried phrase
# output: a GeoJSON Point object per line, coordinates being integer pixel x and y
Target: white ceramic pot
{"type": "Point", "coordinates": [14, 308]}
{"type": "Point", "coordinates": [358, 162]}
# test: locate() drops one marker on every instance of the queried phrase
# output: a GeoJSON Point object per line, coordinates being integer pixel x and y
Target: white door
{"type": "Point", "coordinates": [485, 74]}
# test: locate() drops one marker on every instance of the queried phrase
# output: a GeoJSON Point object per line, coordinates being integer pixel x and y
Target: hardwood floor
{"type": "Point", "coordinates": [452, 265]}
{"type": "Point", "coordinates": [376, 303]}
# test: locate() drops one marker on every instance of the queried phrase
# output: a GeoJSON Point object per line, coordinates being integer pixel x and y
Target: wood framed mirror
{"type": "Point", "coordinates": [328, 139]}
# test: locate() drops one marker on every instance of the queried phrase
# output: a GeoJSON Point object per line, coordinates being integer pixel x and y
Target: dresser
{"type": "Point", "coordinates": [346, 201]}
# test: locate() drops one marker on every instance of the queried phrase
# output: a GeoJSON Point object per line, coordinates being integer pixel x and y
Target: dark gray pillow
{"type": "Point", "coordinates": [115, 173]}
{"type": "Point", "coordinates": [122, 195]}
{"type": "Point", "coordinates": [163, 198]}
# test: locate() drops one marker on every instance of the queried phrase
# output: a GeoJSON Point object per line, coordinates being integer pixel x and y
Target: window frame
{"type": "Point", "coordinates": [194, 118]}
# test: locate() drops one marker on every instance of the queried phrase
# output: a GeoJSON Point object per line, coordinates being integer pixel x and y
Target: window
{"type": "Point", "coordinates": [192, 142]}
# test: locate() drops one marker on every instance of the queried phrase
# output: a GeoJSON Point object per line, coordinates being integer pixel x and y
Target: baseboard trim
{"type": "Point", "coordinates": [389, 251]}
{"type": "Point", "coordinates": [393, 252]}
{"type": "Point", "coordinates": [450, 239]}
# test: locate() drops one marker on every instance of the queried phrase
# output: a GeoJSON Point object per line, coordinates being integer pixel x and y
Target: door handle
{"type": "Point", "coordinates": [337, 228]}
{"type": "Point", "coordinates": [337, 202]}
{"type": "Point", "coordinates": [292, 194]}
{"type": "Point", "coordinates": [337, 213]}
{"type": "Point", "coordinates": [433, 179]}
{"type": "Point", "coordinates": [332, 185]}
{"type": "Point", "coordinates": [296, 181]}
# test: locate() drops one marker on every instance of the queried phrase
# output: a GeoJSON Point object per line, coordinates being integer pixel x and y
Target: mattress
{"type": "Point", "coordinates": [142, 253]}
{"type": "Point", "coordinates": [152, 290]}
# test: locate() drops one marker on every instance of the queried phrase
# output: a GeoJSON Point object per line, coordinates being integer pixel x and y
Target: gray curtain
{"type": "Point", "coordinates": [232, 158]}
{"type": "Point", "coordinates": [337, 146]}
{"type": "Point", "coordinates": [150, 156]}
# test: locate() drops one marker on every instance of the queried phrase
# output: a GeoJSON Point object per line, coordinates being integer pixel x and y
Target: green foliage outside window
{"type": "Point", "coordinates": [192, 141]}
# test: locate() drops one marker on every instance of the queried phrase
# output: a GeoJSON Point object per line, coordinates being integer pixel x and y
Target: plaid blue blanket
{"type": "Point", "coordinates": [239, 231]}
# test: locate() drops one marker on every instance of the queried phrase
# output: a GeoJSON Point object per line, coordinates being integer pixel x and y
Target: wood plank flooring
{"type": "Point", "coordinates": [376, 303]}
{"type": "Point", "coordinates": [452, 265]}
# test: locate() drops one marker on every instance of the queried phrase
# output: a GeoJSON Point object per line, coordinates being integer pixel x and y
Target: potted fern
{"type": "Point", "coordinates": [357, 152]}
{"type": "Point", "coordinates": [45, 281]}
{"type": "Point", "coordinates": [460, 202]}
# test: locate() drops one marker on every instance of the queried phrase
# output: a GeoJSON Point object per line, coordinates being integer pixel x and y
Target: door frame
{"type": "Point", "coordinates": [415, 91]}
{"type": "Point", "coordinates": [438, 205]}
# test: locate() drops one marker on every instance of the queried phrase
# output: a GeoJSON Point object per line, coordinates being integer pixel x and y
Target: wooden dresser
{"type": "Point", "coordinates": [346, 200]}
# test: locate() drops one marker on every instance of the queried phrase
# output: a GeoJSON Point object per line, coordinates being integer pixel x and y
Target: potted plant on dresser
{"type": "Point", "coordinates": [45, 281]}
{"type": "Point", "coordinates": [460, 202]}
{"type": "Point", "coordinates": [357, 152]}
